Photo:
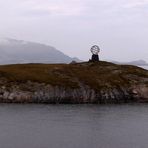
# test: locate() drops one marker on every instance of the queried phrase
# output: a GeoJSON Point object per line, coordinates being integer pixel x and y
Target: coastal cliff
{"type": "Point", "coordinates": [100, 82]}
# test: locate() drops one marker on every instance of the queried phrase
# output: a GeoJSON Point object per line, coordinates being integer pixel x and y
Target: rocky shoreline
{"type": "Point", "coordinates": [43, 93]}
{"type": "Point", "coordinates": [128, 84]}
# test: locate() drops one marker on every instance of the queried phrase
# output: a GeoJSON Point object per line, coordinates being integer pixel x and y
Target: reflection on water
{"type": "Point", "coordinates": [73, 126]}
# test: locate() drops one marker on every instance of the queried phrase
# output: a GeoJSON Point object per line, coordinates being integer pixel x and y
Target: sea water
{"type": "Point", "coordinates": [74, 126]}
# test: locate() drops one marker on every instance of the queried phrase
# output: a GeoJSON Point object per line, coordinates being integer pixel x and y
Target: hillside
{"type": "Point", "coordinates": [100, 82]}
{"type": "Point", "coordinates": [18, 51]}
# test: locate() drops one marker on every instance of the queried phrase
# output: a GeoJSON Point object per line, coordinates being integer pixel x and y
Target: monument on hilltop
{"type": "Point", "coordinates": [95, 53]}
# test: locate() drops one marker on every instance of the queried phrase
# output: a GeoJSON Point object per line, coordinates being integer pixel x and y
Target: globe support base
{"type": "Point", "coordinates": [95, 58]}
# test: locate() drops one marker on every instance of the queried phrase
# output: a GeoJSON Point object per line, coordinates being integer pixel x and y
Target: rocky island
{"type": "Point", "coordinates": [87, 82]}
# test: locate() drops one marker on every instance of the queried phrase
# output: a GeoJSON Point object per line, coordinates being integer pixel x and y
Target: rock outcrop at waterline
{"type": "Point", "coordinates": [100, 82]}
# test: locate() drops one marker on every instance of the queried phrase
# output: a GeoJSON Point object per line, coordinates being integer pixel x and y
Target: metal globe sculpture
{"type": "Point", "coordinates": [95, 51]}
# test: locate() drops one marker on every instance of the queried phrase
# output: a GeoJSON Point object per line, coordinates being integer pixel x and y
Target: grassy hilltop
{"type": "Point", "coordinates": [96, 75]}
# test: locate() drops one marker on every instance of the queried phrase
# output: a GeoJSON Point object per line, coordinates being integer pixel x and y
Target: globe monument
{"type": "Point", "coordinates": [95, 53]}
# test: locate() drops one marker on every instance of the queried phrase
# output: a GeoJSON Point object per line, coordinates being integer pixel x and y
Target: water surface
{"type": "Point", "coordinates": [73, 126]}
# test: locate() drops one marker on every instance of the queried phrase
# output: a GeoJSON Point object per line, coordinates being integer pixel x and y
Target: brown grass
{"type": "Point", "coordinates": [97, 75]}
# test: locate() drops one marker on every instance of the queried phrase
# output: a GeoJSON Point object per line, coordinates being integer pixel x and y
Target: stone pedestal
{"type": "Point", "coordinates": [95, 58]}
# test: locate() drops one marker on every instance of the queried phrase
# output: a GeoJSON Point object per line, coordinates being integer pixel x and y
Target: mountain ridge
{"type": "Point", "coordinates": [135, 62]}
{"type": "Point", "coordinates": [19, 51]}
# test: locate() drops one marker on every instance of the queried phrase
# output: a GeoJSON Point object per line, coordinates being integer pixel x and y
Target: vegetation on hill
{"type": "Point", "coordinates": [96, 75]}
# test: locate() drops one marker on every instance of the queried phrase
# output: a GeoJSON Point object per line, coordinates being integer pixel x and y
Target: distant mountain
{"type": "Point", "coordinates": [136, 63]}
{"type": "Point", "coordinates": [14, 51]}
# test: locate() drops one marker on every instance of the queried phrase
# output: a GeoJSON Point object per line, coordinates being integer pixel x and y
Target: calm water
{"type": "Point", "coordinates": [73, 126]}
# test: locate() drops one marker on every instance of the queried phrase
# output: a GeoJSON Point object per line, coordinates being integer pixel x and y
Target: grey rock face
{"type": "Point", "coordinates": [42, 93]}
{"type": "Point", "coordinates": [141, 91]}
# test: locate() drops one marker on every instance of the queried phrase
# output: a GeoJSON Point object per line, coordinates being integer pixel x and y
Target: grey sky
{"type": "Point", "coordinates": [119, 27]}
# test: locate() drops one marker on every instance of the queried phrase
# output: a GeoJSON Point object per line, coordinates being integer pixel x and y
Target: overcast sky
{"type": "Point", "coordinates": [119, 27]}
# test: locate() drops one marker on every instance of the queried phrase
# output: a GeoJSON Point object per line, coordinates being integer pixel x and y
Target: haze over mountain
{"type": "Point", "coordinates": [14, 51]}
{"type": "Point", "coordinates": [136, 63]}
